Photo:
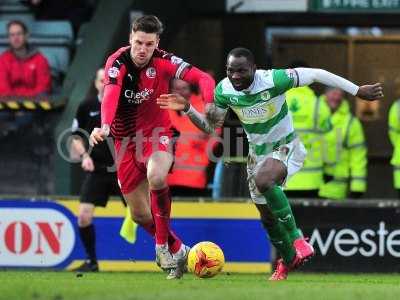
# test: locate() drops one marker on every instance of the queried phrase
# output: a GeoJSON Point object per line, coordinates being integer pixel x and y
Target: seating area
{"type": "Point", "coordinates": [14, 9]}
{"type": "Point", "coordinates": [31, 166]}
{"type": "Point", "coordinates": [55, 39]}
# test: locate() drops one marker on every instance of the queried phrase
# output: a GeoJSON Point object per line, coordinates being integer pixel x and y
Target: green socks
{"type": "Point", "coordinates": [281, 241]}
{"type": "Point", "coordinates": [279, 204]}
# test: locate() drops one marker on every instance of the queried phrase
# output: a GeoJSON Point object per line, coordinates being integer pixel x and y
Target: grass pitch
{"type": "Point", "coordinates": [39, 285]}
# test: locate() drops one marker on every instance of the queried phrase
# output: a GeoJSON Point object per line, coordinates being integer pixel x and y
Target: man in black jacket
{"type": "Point", "coordinates": [101, 180]}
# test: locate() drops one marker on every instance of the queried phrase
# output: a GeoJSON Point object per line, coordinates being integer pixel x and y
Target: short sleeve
{"type": "Point", "coordinates": [80, 120]}
{"type": "Point", "coordinates": [284, 79]}
{"type": "Point", "coordinates": [220, 100]}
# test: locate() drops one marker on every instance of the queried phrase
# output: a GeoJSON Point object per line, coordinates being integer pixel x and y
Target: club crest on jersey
{"type": "Point", "coordinates": [176, 60]}
{"type": "Point", "coordinates": [164, 140]}
{"type": "Point", "coordinates": [113, 72]}
{"type": "Point", "coordinates": [265, 95]}
{"type": "Point", "coordinates": [151, 72]}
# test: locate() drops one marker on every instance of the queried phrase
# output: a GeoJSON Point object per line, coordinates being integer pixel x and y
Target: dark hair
{"type": "Point", "coordinates": [242, 52]}
{"type": "Point", "coordinates": [17, 22]}
{"type": "Point", "coordinates": [148, 24]}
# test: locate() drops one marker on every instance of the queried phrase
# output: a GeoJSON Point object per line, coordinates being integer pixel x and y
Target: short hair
{"type": "Point", "coordinates": [242, 52]}
{"type": "Point", "coordinates": [17, 22]}
{"type": "Point", "coordinates": [148, 24]}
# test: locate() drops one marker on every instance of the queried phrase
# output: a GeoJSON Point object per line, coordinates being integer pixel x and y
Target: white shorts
{"type": "Point", "coordinates": [291, 154]}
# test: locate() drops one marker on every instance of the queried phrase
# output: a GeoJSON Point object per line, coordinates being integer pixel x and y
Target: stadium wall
{"type": "Point", "coordinates": [43, 234]}
{"type": "Point", "coordinates": [348, 237]}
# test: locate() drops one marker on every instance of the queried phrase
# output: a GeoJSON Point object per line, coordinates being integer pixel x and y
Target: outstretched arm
{"type": "Point", "coordinates": [308, 76]}
{"type": "Point", "coordinates": [213, 118]}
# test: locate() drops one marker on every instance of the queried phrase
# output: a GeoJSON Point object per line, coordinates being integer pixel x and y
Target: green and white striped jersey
{"type": "Point", "coordinates": [262, 108]}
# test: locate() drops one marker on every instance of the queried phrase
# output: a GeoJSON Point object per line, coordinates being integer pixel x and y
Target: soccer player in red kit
{"type": "Point", "coordinates": [136, 76]}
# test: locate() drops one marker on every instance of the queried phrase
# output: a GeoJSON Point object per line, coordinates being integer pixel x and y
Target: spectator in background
{"type": "Point", "coordinates": [310, 120]}
{"type": "Point", "coordinates": [24, 71]}
{"type": "Point", "coordinates": [189, 173]}
{"type": "Point", "coordinates": [99, 183]}
{"type": "Point", "coordinates": [345, 152]}
{"type": "Point", "coordinates": [394, 135]}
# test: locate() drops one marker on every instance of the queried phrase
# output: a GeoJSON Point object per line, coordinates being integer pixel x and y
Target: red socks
{"type": "Point", "coordinates": [161, 210]}
{"type": "Point", "coordinates": [174, 243]}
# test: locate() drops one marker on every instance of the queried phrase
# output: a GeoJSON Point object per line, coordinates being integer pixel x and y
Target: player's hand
{"type": "Point", "coordinates": [99, 134]}
{"type": "Point", "coordinates": [172, 101]}
{"type": "Point", "coordinates": [87, 163]}
{"type": "Point", "coordinates": [370, 92]}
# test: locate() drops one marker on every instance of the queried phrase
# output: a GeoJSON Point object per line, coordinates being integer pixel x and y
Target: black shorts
{"type": "Point", "coordinates": [97, 187]}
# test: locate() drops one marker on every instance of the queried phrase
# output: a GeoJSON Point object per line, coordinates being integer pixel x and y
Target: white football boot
{"type": "Point", "coordinates": [180, 258]}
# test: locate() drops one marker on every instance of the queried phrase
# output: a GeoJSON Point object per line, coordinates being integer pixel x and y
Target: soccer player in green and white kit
{"type": "Point", "coordinates": [276, 153]}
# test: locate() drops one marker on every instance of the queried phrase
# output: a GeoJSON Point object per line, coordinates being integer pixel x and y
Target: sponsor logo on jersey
{"type": "Point", "coordinates": [254, 112]}
{"type": "Point", "coordinates": [176, 60]}
{"type": "Point", "coordinates": [113, 72]}
{"type": "Point", "coordinates": [261, 111]}
{"type": "Point", "coordinates": [139, 97]}
{"type": "Point", "coordinates": [164, 140]}
{"type": "Point", "coordinates": [151, 72]}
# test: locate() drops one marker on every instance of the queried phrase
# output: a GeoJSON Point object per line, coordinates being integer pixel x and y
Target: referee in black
{"type": "Point", "coordinates": [99, 182]}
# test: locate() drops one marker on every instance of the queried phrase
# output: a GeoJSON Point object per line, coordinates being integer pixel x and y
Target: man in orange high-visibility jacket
{"type": "Point", "coordinates": [189, 173]}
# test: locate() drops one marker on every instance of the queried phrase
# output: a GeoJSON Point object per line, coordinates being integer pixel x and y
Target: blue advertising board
{"type": "Point", "coordinates": [43, 233]}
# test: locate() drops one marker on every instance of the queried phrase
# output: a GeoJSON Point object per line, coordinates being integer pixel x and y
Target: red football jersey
{"type": "Point", "coordinates": [129, 104]}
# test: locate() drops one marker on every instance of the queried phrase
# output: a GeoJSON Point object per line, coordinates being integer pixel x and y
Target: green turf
{"type": "Point", "coordinates": [128, 286]}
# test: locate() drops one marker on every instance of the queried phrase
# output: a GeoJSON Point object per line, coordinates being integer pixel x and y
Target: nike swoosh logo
{"type": "Point", "coordinates": [94, 113]}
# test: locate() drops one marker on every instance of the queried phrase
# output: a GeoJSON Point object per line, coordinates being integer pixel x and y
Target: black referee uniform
{"type": "Point", "coordinates": [99, 184]}
{"type": "Point", "coordinates": [102, 182]}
